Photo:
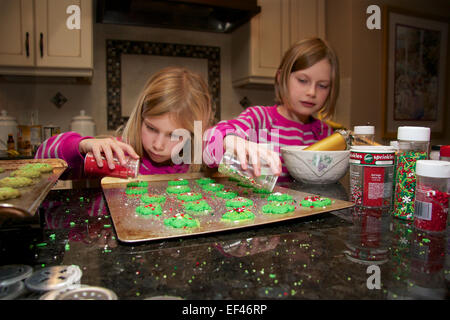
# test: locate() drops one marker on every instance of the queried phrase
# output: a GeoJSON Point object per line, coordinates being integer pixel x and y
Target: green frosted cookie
{"type": "Point", "coordinates": [178, 182]}
{"type": "Point", "coordinates": [225, 194]}
{"type": "Point", "coordinates": [278, 196]}
{"type": "Point", "coordinates": [197, 207]}
{"type": "Point", "coordinates": [239, 202]}
{"type": "Point", "coordinates": [203, 181]}
{"type": "Point", "coordinates": [178, 189]}
{"type": "Point", "coordinates": [278, 207]}
{"type": "Point", "coordinates": [135, 191]}
{"type": "Point", "coordinates": [189, 196]}
{"type": "Point", "coordinates": [8, 193]}
{"type": "Point", "coordinates": [42, 167]}
{"type": "Point", "coordinates": [28, 173]}
{"type": "Point", "coordinates": [152, 198]}
{"type": "Point", "coordinates": [238, 214]}
{"type": "Point", "coordinates": [181, 220]}
{"type": "Point", "coordinates": [245, 185]}
{"type": "Point", "coordinates": [150, 209]}
{"type": "Point", "coordinates": [315, 201]}
{"type": "Point", "coordinates": [142, 184]}
{"type": "Point", "coordinates": [16, 182]}
{"type": "Point", "coordinates": [212, 187]}
{"type": "Point", "coordinates": [260, 190]}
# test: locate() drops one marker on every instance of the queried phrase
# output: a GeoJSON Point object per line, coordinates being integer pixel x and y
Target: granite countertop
{"type": "Point", "coordinates": [346, 254]}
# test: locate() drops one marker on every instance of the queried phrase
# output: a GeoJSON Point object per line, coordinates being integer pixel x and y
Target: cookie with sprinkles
{"type": "Point", "coordinates": [189, 196]}
{"type": "Point", "coordinates": [212, 187]}
{"type": "Point", "coordinates": [278, 196]}
{"type": "Point", "coordinates": [278, 207]}
{"type": "Point", "coordinates": [245, 185]}
{"type": "Point", "coordinates": [315, 201]}
{"type": "Point", "coordinates": [178, 182]}
{"type": "Point", "coordinates": [226, 194]}
{"type": "Point", "coordinates": [239, 202]}
{"type": "Point", "coordinates": [261, 191]}
{"type": "Point", "coordinates": [181, 220]}
{"type": "Point", "coordinates": [153, 209]}
{"type": "Point", "coordinates": [153, 198]}
{"type": "Point", "coordinates": [238, 215]}
{"type": "Point", "coordinates": [203, 181]}
{"type": "Point", "coordinates": [142, 184]}
{"type": "Point", "coordinates": [197, 207]}
{"type": "Point", "coordinates": [178, 189]}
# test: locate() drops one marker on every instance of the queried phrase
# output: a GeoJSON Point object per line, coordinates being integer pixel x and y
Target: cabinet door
{"type": "Point", "coordinates": [57, 45]}
{"type": "Point", "coordinates": [307, 19]}
{"type": "Point", "coordinates": [16, 33]}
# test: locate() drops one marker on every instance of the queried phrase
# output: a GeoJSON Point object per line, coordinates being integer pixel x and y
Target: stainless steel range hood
{"type": "Point", "coordinates": [222, 16]}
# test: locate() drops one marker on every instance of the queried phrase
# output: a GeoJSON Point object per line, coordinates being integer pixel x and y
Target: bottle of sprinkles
{"type": "Point", "coordinates": [432, 195]}
{"type": "Point", "coordinates": [413, 143]}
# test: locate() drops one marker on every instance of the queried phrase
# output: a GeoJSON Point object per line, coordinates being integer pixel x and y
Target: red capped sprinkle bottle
{"type": "Point", "coordinates": [130, 170]}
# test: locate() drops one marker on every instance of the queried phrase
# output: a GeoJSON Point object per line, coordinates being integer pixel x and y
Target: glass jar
{"type": "Point", "coordinates": [363, 135]}
{"type": "Point", "coordinates": [444, 153]}
{"type": "Point", "coordinates": [231, 167]}
{"type": "Point", "coordinates": [432, 195]}
{"type": "Point", "coordinates": [130, 170]}
{"type": "Point", "coordinates": [413, 143]}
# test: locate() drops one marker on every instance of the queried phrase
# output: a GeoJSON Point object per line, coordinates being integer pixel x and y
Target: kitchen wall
{"type": "Point", "coordinates": [360, 53]}
{"type": "Point", "coordinates": [31, 97]}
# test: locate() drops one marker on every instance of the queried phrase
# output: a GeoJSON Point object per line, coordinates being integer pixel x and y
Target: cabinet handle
{"type": "Point", "coordinates": [41, 44]}
{"type": "Point", "coordinates": [27, 44]}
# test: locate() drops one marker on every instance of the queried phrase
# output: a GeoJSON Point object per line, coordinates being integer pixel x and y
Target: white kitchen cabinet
{"type": "Point", "coordinates": [37, 40]}
{"type": "Point", "coordinates": [258, 46]}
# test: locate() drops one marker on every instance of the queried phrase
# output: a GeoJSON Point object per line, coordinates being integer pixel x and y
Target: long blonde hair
{"type": "Point", "coordinates": [303, 55]}
{"type": "Point", "coordinates": [175, 90]}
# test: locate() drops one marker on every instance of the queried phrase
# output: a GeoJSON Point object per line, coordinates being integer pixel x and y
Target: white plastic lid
{"type": "Point", "coordinates": [413, 133]}
{"type": "Point", "coordinates": [433, 168]}
{"type": "Point", "coordinates": [82, 116]}
{"type": "Point", "coordinates": [373, 149]}
{"type": "Point", "coordinates": [54, 278]}
{"type": "Point", "coordinates": [364, 130]}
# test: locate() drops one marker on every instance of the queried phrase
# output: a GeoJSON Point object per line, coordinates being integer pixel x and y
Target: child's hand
{"type": "Point", "coordinates": [243, 149]}
{"type": "Point", "coordinates": [108, 147]}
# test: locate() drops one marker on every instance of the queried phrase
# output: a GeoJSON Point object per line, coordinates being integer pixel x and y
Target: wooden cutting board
{"type": "Point", "coordinates": [132, 227]}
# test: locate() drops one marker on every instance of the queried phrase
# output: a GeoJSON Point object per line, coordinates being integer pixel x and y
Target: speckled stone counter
{"type": "Point", "coordinates": [346, 254]}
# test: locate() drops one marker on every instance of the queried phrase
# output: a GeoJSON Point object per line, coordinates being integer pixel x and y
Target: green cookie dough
{"type": "Point", "coordinates": [238, 214]}
{"type": "Point", "coordinates": [16, 182]}
{"type": "Point", "coordinates": [135, 191]}
{"type": "Point", "coordinates": [181, 220]}
{"type": "Point", "coordinates": [28, 173]}
{"type": "Point", "coordinates": [150, 209]}
{"type": "Point", "coordinates": [197, 207]}
{"type": "Point", "coordinates": [278, 196]}
{"type": "Point", "coordinates": [178, 189]}
{"type": "Point", "coordinates": [239, 202]}
{"type": "Point", "coordinates": [142, 184]}
{"type": "Point", "coordinates": [150, 198]}
{"type": "Point", "coordinates": [212, 187]}
{"type": "Point", "coordinates": [277, 208]}
{"type": "Point", "coordinates": [315, 201]}
{"type": "Point", "coordinates": [8, 193]}
{"type": "Point", "coordinates": [225, 194]}
{"type": "Point", "coordinates": [203, 181]}
{"type": "Point", "coordinates": [42, 167]}
{"type": "Point", "coordinates": [178, 182]}
{"type": "Point", "coordinates": [2, 170]}
{"type": "Point", "coordinates": [189, 196]}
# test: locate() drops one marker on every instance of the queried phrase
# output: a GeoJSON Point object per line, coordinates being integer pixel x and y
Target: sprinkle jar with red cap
{"type": "Point", "coordinates": [444, 153]}
{"type": "Point", "coordinates": [432, 195]}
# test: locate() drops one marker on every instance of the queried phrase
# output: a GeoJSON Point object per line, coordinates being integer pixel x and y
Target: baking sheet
{"type": "Point", "coordinates": [31, 196]}
{"type": "Point", "coordinates": [132, 227]}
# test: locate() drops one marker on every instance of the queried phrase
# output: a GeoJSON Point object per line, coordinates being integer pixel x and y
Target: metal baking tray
{"type": "Point", "coordinates": [131, 227]}
{"type": "Point", "coordinates": [31, 196]}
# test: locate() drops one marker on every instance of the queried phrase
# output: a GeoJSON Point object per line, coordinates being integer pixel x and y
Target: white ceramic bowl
{"type": "Point", "coordinates": [315, 167]}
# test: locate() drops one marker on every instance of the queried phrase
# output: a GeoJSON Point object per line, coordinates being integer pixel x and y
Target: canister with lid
{"type": "Point", "coordinates": [432, 195]}
{"type": "Point", "coordinates": [8, 125]}
{"type": "Point", "coordinates": [363, 135]}
{"type": "Point", "coordinates": [83, 124]}
{"type": "Point", "coordinates": [413, 145]}
{"type": "Point", "coordinates": [371, 175]}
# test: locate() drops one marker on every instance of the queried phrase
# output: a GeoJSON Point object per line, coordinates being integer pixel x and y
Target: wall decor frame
{"type": "Point", "coordinates": [415, 71]}
{"type": "Point", "coordinates": [114, 51]}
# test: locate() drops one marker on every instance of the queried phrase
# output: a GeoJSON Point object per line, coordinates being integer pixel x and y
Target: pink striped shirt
{"type": "Point", "coordinates": [65, 146]}
{"type": "Point", "coordinates": [264, 124]}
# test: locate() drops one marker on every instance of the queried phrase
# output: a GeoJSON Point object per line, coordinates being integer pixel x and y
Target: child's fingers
{"type": "Point", "coordinates": [241, 153]}
{"type": "Point", "coordinates": [129, 150]}
{"type": "Point", "coordinates": [109, 156]}
{"type": "Point", "coordinates": [254, 155]}
{"type": "Point", "coordinates": [97, 155]}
